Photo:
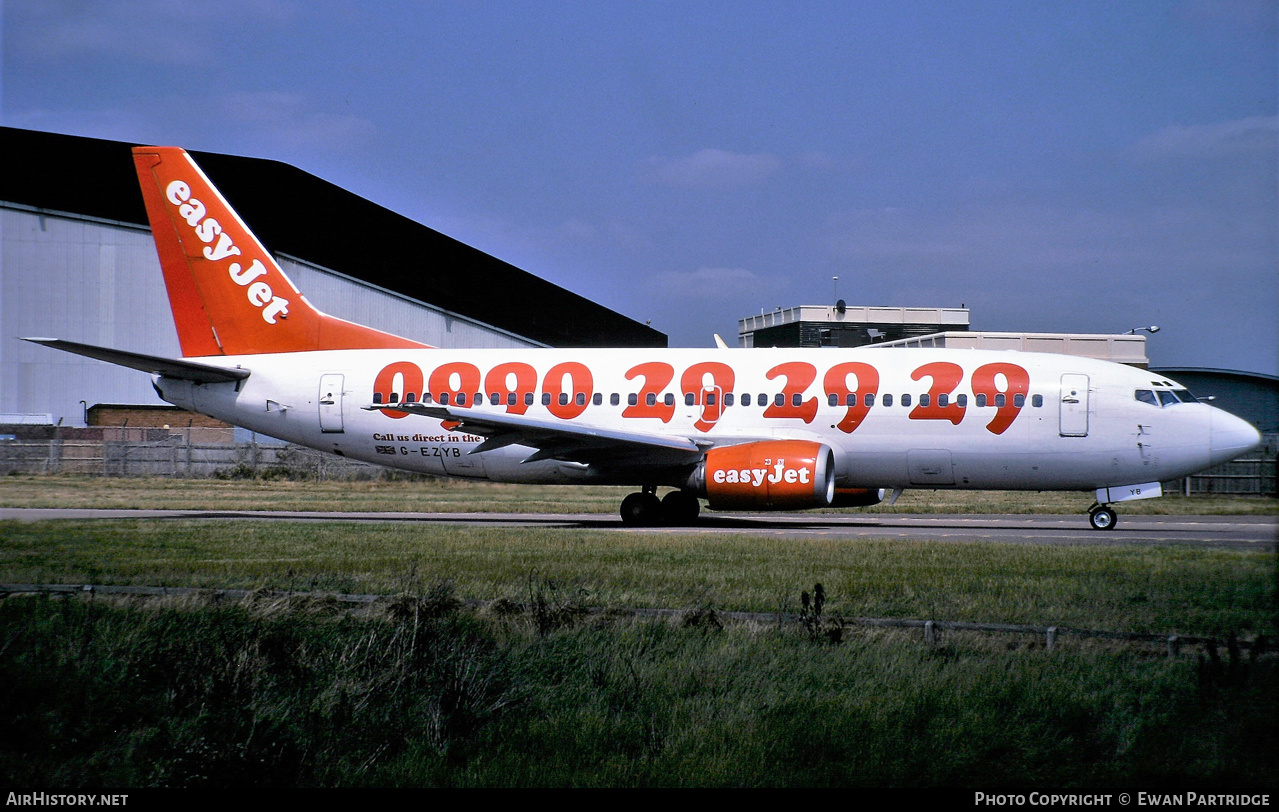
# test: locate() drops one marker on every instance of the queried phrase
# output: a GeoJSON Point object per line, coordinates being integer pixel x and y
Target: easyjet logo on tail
{"type": "Point", "coordinates": [219, 246]}
{"type": "Point", "coordinates": [212, 262]}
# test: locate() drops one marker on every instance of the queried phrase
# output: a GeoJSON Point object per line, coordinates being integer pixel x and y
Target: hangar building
{"type": "Point", "coordinates": [77, 262]}
{"type": "Point", "coordinates": [1251, 395]}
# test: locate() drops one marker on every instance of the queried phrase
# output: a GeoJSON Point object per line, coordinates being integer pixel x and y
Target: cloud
{"type": "Point", "coordinates": [1245, 15]}
{"type": "Point", "coordinates": [1255, 134]}
{"type": "Point", "coordinates": [167, 31]}
{"type": "Point", "coordinates": [825, 162]}
{"type": "Point", "coordinates": [117, 124]}
{"type": "Point", "coordinates": [1098, 268]}
{"type": "Point", "coordinates": [710, 168]}
{"type": "Point", "coordinates": [576, 229]}
{"type": "Point", "coordinates": [716, 285]}
{"type": "Point", "coordinates": [289, 119]}
{"type": "Point", "coordinates": [692, 305]}
{"type": "Point", "coordinates": [248, 122]}
{"type": "Point", "coordinates": [1152, 242]}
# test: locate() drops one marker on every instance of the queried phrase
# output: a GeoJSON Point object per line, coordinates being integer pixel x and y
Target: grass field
{"type": "Point", "coordinates": [527, 690]}
{"type": "Point", "coordinates": [1144, 589]}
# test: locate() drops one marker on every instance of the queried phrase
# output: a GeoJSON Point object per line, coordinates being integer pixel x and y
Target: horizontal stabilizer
{"type": "Point", "coordinates": [167, 367]}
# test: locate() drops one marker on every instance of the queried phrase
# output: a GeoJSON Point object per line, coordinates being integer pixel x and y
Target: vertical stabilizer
{"type": "Point", "coordinates": [229, 297]}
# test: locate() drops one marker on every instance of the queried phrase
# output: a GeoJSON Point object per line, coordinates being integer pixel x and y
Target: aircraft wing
{"type": "Point", "coordinates": [154, 364]}
{"type": "Point", "coordinates": [561, 441]}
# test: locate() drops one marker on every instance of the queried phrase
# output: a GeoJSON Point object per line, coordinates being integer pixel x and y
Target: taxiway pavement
{"type": "Point", "coordinates": [1243, 532]}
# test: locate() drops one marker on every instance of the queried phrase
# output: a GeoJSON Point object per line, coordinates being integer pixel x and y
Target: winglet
{"type": "Point", "coordinates": [228, 295]}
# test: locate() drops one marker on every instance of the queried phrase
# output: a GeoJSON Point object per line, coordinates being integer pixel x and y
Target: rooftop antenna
{"type": "Point", "coordinates": [835, 287]}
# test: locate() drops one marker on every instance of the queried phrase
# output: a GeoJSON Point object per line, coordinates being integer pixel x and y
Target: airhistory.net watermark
{"type": "Point", "coordinates": [64, 799]}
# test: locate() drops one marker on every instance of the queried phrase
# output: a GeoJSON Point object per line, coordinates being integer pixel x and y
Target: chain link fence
{"type": "Point", "coordinates": [178, 457]}
{"type": "Point", "coordinates": [157, 452]}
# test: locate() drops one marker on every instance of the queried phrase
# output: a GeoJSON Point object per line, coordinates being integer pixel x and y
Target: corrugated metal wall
{"type": "Point", "coordinates": [100, 283]}
{"type": "Point", "coordinates": [362, 303]}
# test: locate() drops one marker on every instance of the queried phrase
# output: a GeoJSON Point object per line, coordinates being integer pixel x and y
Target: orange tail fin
{"type": "Point", "coordinates": [229, 297]}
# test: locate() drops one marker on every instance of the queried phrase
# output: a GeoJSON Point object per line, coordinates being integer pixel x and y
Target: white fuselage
{"type": "Point", "coordinates": [1010, 420]}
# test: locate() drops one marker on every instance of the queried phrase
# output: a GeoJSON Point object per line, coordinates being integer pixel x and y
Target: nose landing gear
{"type": "Point", "coordinates": [1102, 517]}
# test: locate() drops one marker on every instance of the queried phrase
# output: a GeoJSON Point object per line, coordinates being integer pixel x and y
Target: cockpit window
{"type": "Point", "coordinates": [1165, 397]}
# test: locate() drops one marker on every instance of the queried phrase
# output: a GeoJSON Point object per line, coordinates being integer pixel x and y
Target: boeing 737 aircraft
{"type": "Point", "coordinates": [744, 429]}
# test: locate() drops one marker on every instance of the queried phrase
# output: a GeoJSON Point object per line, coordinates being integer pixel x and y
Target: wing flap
{"type": "Point", "coordinates": [570, 442]}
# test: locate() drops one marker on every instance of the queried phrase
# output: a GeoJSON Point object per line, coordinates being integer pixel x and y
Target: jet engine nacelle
{"type": "Point", "coordinates": [858, 497]}
{"type": "Point", "coordinates": [767, 475]}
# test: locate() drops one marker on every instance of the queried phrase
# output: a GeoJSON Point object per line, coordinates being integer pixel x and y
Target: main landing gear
{"type": "Point", "coordinates": [644, 509]}
{"type": "Point", "coordinates": [1102, 517]}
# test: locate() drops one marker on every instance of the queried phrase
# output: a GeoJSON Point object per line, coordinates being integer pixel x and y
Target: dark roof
{"type": "Point", "coordinates": [1259, 378]}
{"type": "Point", "coordinates": [95, 177]}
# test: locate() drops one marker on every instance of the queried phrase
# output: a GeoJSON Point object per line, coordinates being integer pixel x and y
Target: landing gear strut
{"type": "Point", "coordinates": [644, 509]}
{"type": "Point", "coordinates": [1102, 517]}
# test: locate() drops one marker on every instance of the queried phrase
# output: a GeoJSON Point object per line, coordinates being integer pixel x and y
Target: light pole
{"type": "Point", "coordinates": [1152, 329]}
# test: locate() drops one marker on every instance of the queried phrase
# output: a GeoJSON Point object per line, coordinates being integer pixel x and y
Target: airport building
{"type": "Point", "coordinates": [77, 262]}
{"type": "Point", "coordinates": [841, 325]}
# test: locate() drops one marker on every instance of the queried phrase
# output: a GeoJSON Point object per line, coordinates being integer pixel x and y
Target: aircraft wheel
{"type": "Point", "coordinates": [641, 509]}
{"type": "Point", "coordinates": [1103, 518]}
{"type": "Point", "coordinates": [680, 508]}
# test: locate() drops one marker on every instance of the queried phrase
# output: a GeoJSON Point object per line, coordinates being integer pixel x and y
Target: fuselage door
{"type": "Point", "coordinates": [331, 403]}
{"type": "Point", "coordinates": [1074, 405]}
{"type": "Point", "coordinates": [711, 399]}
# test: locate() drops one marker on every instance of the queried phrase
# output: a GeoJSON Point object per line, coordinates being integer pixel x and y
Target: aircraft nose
{"type": "Point", "coordinates": [1230, 437]}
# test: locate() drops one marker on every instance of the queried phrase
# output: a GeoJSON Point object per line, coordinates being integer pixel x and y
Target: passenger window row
{"type": "Point", "coordinates": [632, 399]}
